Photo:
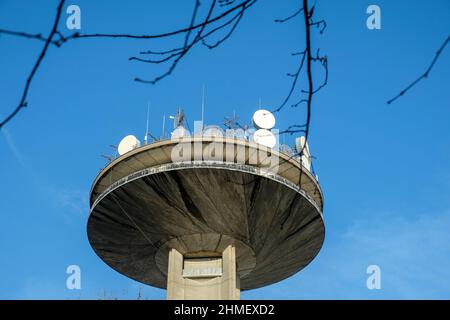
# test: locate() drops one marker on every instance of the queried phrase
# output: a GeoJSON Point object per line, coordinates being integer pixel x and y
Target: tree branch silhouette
{"type": "Point", "coordinates": [77, 35]}
{"type": "Point", "coordinates": [310, 91]}
{"type": "Point", "coordinates": [174, 55]}
{"type": "Point", "coordinates": [23, 102]}
{"type": "Point", "coordinates": [306, 61]}
{"type": "Point", "coordinates": [204, 31]}
{"type": "Point", "coordinates": [424, 75]}
{"type": "Point", "coordinates": [37, 36]}
{"type": "Point", "coordinates": [187, 46]}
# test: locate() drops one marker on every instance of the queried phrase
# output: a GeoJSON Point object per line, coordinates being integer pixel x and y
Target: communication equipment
{"type": "Point", "coordinates": [237, 133]}
{"type": "Point", "coordinates": [146, 129]}
{"type": "Point", "coordinates": [178, 119]}
{"type": "Point", "coordinates": [213, 131]}
{"type": "Point", "coordinates": [263, 119]}
{"type": "Point", "coordinates": [231, 122]}
{"type": "Point", "coordinates": [265, 137]}
{"type": "Point", "coordinates": [302, 147]}
{"type": "Point", "coordinates": [127, 144]}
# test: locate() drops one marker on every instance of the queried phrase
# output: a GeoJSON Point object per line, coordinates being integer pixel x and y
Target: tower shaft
{"type": "Point", "coordinates": [203, 277]}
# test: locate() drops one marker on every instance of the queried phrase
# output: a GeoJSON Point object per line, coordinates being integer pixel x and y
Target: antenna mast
{"type": "Point", "coordinates": [146, 129]}
{"type": "Point", "coordinates": [164, 126]}
{"type": "Point", "coordinates": [203, 106]}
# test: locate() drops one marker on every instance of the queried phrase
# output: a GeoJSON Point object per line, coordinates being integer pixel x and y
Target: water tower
{"type": "Point", "coordinates": [206, 215]}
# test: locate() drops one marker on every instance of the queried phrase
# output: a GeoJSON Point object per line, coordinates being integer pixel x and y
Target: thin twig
{"type": "Point", "coordinates": [183, 53]}
{"type": "Point", "coordinates": [77, 35]}
{"type": "Point", "coordinates": [176, 54]}
{"type": "Point", "coordinates": [423, 76]}
{"type": "Point", "coordinates": [58, 39]}
{"type": "Point", "coordinates": [36, 36]}
{"type": "Point", "coordinates": [23, 103]}
{"type": "Point", "coordinates": [294, 82]}
{"type": "Point", "coordinates": [296, 13]}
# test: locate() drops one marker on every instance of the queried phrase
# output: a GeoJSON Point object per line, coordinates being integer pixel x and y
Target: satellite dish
{"type": "Point", "coordinates": [265, 137]}
{"type": "Point", "coordinates": [263, 119]}
{"type": "Point", "coordinates": [127, 144]}
{"type": "Point", "coordinates": [302, 144]}
{"type": "Point", "coordinates": [213, 131]}
{"type": "Point", "coordinates": [179, 132]}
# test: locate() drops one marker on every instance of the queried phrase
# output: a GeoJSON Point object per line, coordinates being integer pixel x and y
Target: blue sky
{"type": "Point", "coordinates": [384, 169]}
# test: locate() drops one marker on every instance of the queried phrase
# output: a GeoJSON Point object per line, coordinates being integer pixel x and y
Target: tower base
{"type": "Point", "coordinates": [203, 276]}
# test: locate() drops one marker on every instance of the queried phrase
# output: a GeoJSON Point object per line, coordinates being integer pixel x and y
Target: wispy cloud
{"type": "Point", "coordinates": [73, 204]}
{"type": "Point", "coordinates": [411, 250]}
{"type": "Point", "coordinates": [12, 146]}
{"type": "Point", "coordinates": [69, 199]}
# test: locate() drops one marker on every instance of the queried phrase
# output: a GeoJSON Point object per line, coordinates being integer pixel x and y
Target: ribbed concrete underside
{"type": "Point", "coordinates": [129, 224]}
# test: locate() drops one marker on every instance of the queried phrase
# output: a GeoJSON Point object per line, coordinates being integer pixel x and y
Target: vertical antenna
{"type": "Point", "coordinates": [146, 129]}
{"type": "Point", "coordinates": [164, 126]}
{"type": "Point", "coordinates": [203, 106]}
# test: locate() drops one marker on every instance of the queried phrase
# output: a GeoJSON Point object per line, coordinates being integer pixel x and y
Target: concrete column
{"type": "Point", "coordinates": [199, 285]}
{"type": "Point", "coordinates": [175, 281]}
{"type": "Point", "coordinates": [230, 281]}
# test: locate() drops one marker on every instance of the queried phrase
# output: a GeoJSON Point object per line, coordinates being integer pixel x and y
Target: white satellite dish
{"type": "Point", "coordinates": [213, 131]}
{"type": "Point", "coordinates": [302, 145]}
{"type": "Point", "coordinates": [179, 132]}
{"type": "Point", "coordinates": [265, 137]}
{"type": "Point", "coordinates": [263, 119]}
{"type": "Point", "coordinates": [127, 144]}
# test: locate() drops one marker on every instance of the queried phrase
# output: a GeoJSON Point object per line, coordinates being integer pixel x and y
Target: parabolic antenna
{"type": "Point", "coordinates": [263, 119]}
{"type": "Point", "coordinates": [127, 144]}
{"type": "Point", "coordinates": [301, 145]}
{"type": "Point", "coordinates": [265, 137]}
{"type": "Point", "coordinates": [213, 131]}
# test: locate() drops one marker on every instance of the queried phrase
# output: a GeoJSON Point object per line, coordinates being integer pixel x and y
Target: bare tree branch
{"type": "Point", "coordinates": [296, 13]}
{"type": "Point", "coordinates": [294, 82]}
{"type": "Point", "coordinates": [308, 67]}
{"type": "Point", "coordinates": [23, 102]}
{"type": "Point", "coordinates": [424, 75]}
{"type": "Point", "coordinates": [306, 55]}
{"type": "Point", "coordinates": [36, 36]}
{"type": "Point", "coordinates": [186, 48]}
{"type": "Point", "coordinates": [175, 55]}
{"type": "Point", "coordinates": [74, 36]}
{"type": "Point", "coordinates": [238, 18]}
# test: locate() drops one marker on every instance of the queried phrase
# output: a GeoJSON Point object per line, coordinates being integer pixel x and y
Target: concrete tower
{"type": "Point", "coordinates": [206, 216]}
